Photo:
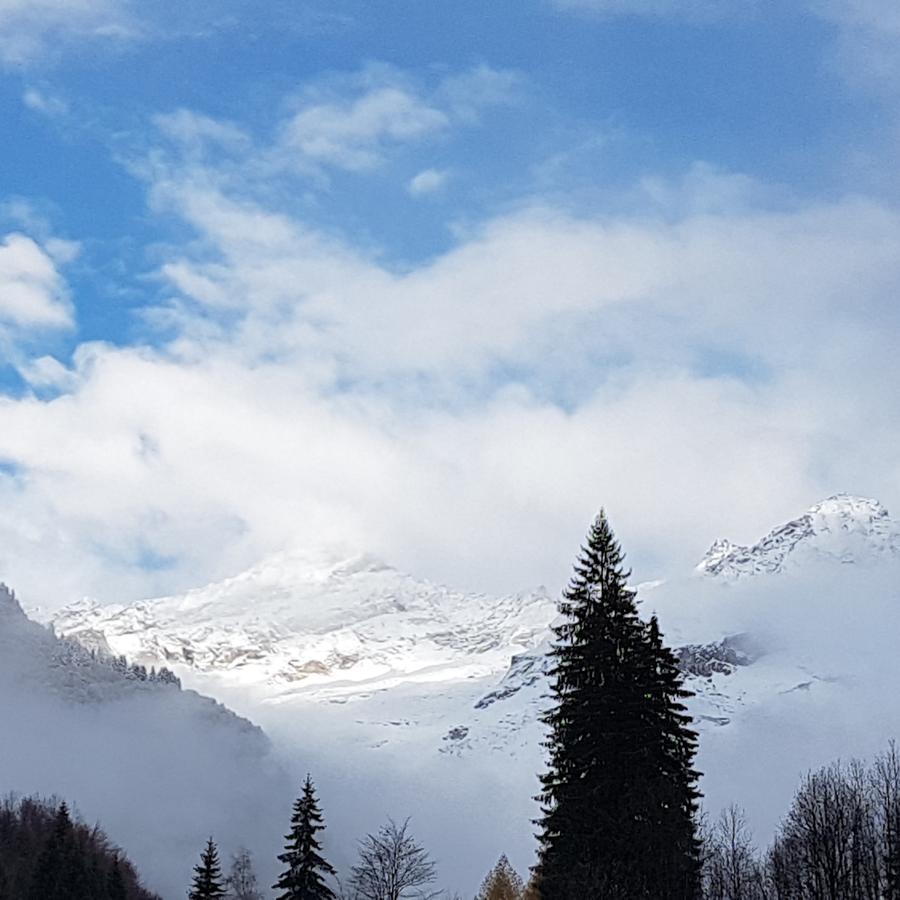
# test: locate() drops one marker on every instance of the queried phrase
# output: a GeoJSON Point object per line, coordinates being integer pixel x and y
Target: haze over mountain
{"type": "Point", "coordinates": [422, 687]}
{"type": "Point", "coordinates": [158, 766]}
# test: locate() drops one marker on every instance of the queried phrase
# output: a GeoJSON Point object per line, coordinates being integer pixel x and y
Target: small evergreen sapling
{"type": "Point", "coordinates": [207, 875]}
{"type": "Point", "coordinates": [304, 877]}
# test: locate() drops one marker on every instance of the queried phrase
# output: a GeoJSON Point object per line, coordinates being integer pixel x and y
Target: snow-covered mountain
{"type": "Point", "coordinates": [844, 528]}
{"type": "Point", "coordinates": [396, 688]}
{"type": "Point", "coordinates": [159, 766]}
{"type": "Point", "coordinates": [319, 622]}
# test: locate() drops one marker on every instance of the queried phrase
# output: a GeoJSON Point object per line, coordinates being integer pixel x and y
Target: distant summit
{"type": "Point", "coordinates": [843, 528]}
{"type": "Point", "coordinates": [313, 619]}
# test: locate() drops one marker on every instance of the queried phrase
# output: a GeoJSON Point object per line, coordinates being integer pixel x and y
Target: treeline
{"type": "Point", "coordinates": [840, 840]}
{"type": "Point", "coordinates": [45, 854]}
{"type": "Point", "coordinates": [73, 655]}
{"type": "Point", "coordinates": [391, 865]}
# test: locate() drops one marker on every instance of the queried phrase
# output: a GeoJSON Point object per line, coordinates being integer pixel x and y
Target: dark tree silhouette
{"type": "Point", "coordinates": [619, 801]}
{"type": "Point", "coordinates": [45, 852]}
{"type": "Point", "coordinates": [207, 883]}
{"type": "Point", "coordinates": [304, 877]}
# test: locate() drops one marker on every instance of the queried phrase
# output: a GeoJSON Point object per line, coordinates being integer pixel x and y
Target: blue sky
{"type": "Point", "coordinates": [342, 265]}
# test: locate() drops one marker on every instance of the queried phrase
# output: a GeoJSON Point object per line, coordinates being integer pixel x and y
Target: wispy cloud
{"type": "Point", "coordinates": [659, 8]}
{"type": "Point", "coordinates": [428, 181]}
{"type": "Point", "coordinates": [45, 103]}
{"type": "Point", "coordinates": [352, 133]}
{"type": "Point", "coordinates": [350, 122]}
{"type": "Point", "coordinates": [32, 29]}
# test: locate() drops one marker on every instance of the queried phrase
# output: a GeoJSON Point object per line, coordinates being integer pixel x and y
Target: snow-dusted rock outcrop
{"type": "Point", "coordinates": [842, 528]}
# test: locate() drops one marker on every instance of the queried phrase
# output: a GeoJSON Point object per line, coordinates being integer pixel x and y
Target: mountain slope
{"type": "Point", "coordinates": [301, 622]}
{"type": "Point", "coordinates": [161, 767]}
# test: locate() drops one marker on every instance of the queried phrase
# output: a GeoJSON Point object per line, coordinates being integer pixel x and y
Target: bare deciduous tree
{"type": "Point", "coordinates": [885, 787]}
{"type": "Point", "coordinates": [241, 880]}
{"type": "Point", "coordinates": [731, 866]}
{"type": "Point", "coordinates": [392, 866]}
{"type": "Point", "coordinates": [827, 847]}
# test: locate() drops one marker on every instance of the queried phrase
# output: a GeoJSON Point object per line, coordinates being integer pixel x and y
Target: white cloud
{"type": "Point", "coordinates": [350, 133]}
{"type": "Point", "coordinates": [352, 122]}
{"type": "Point", "coordinates": [31, 29]}
{"type": "Point", "coordinates": [709, 371]}
{"type": "Point", "coordinates": [428, 181]}
{"type": "Point", "coordinates": [48, 372]}
{"type": "Point", "coordinates": [32, 292]}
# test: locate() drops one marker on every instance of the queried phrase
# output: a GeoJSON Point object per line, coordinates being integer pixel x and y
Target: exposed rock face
{"type": "Point", "coordinates": [718, 658]}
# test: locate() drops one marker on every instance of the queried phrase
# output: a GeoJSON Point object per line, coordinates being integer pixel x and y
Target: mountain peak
{"type": "Point", "coordinates": [843, 527]}
{"type": "Point", "coordinates": [849, 507]}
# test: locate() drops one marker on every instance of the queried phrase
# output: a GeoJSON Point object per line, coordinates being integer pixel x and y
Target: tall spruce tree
{"type": "Point", "coordinates": [207, 875]}
{"type": "Point", "coordinates": [619, 799]}
{"type": "Point", "coordinates": [303, 879]}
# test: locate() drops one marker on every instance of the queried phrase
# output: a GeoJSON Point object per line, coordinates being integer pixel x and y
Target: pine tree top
{"type": "Point", "coordinates": [208, 883]}
{"type": "Point", "coordinates": [303, 879]}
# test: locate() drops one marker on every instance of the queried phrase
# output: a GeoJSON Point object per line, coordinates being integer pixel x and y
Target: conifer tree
{"type": "Point", "coordinates": [502, 883]}
{"type": "Point", "coordinates": [618, 801]}
{"type": "Point", "coordinates": [304, 877]}
{"type": "Point", "coordinates": [60, 873]}
{"type": "Point", "coordinates": [671, 785]}
{"type": "Point", "coordinates": [207, 875]}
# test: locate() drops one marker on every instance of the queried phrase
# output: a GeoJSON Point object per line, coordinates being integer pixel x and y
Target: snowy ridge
{"type": "Point", "coordinates": [331, 627]}
{"type": "Point", "coordinates": [844, 528]}
{"type": "Point", "coordinates": [319, 621]}
{"type": "Point", "coordinates": [34, 659]}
